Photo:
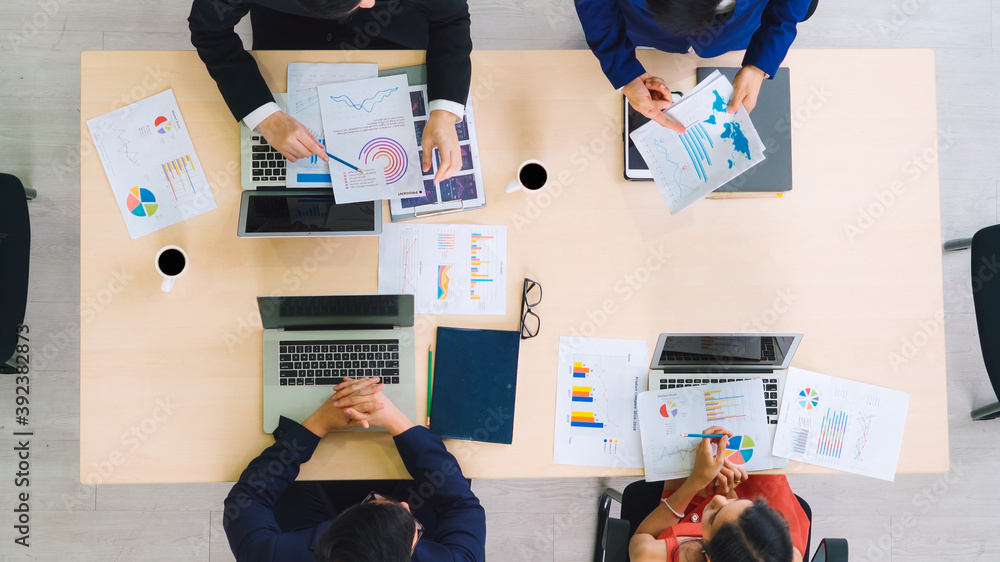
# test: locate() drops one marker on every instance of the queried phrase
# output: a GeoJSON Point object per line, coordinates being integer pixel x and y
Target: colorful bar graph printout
{"type": "Point", "coordinates": [479, 274]}
{"type": "Point", "coordinates": [579, 371]}
{"type": "Point", "coordinates": [179, 171]}
{"type": "Point", "coordinates": [584, 419]}
{"type": "Point", "coordinates": [583, 394]}
{"type": "Point", "coordinates": [722, 407]}
{"type": "Point", "coordinates": [831, 436]}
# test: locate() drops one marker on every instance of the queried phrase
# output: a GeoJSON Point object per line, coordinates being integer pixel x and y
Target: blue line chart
{"type": "Point", "coordinates": [678, 176]}
{"type": "Point", "coordinates": [366, 105]}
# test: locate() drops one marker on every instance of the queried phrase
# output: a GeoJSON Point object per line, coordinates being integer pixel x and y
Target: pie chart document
{"type": "Point", "coordinates": [666, 414]}
{"type": "Point", "coordinates": [155, 175]}
{"type": "Point", "coordinates": [841, 424]}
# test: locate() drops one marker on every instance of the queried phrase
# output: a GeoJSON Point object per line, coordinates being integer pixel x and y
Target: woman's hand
{"type": "Point", "coordinates": [649, 96]}
{"type": "Point", "coordinates": [708, 465]}
{"type": "Point", "coordinates": [730, 476]}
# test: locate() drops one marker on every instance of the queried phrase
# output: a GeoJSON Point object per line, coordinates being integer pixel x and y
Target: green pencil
{"type": "Point", "coordinates": [430, 382]}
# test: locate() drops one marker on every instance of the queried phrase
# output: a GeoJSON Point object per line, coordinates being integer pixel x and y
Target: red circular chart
{"type": "Point", "coordinates": [162, 125]}
{"type": "Point", "coordinates": [393, 156]}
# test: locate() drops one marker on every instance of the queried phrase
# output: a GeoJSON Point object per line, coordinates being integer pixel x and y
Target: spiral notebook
{"type": "Point", "coordinates": [475, 379]}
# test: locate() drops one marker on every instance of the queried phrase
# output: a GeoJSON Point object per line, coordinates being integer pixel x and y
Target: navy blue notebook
{"type": "Point", "coordinates": [475, 378]}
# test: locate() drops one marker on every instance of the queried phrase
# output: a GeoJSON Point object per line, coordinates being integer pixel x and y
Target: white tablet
{"type": "Point", "coordinates": [635, 166]}
{"type": "Point", "coordinates": [305, 212]}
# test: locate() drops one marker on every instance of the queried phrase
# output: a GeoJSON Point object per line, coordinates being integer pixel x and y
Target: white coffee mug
{"type": "Point", "coordinates": [172, 266]}
{"type": "Point", "coordinates": [532, 175]}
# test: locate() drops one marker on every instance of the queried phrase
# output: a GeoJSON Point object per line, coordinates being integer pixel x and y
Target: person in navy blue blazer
{"type": "Point", "coordinates": [614, 28]}
{"type": "Point", "coordinates": [268, 516]}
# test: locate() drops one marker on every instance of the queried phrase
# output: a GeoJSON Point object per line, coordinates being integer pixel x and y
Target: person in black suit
{"type": "Point", "coordinates": [269, 516]}
{"type": "Point", "coordinates": [439, 26]}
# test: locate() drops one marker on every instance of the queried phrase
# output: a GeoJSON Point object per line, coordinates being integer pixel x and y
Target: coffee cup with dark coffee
{"type": "Point", "coordinates": [532, 175]}
{"type": "Point", "coordinates": [171, 263]}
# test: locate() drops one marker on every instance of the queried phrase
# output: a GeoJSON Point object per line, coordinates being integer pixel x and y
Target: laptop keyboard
{"type": "Point", "coordinates": [330, 362]}
{"type": "Point", "coordinates": [268, 165]}
{"type": "Point", "coordinates": [771, 397]}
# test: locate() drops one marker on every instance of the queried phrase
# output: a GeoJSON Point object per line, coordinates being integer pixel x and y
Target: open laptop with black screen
{"type": "Point", "coordinates": [312, 343]}
{"type": "Point", "coordinates": [682, 360]}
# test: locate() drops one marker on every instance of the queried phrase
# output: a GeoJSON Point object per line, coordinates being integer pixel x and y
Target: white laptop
{"type": "Point", "coordinates": [681, 360]}
{"type": "Point", "coordinates": [312, 343]}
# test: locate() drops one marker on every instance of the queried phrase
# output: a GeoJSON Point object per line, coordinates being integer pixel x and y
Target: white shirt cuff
{"type": "Point", "coordinates": [456, 108]}
{"type": "Point", "coordinates": [263, 112]}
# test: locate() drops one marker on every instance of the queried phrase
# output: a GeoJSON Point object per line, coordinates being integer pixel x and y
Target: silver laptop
{"type": "Point", "coordinates": [312, 343]}
{"type": "Point", "coordinates": [681, 360]}
{"type": "Point", "coordinates": [261, 165]}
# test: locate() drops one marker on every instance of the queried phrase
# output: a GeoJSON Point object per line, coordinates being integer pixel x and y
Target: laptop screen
{"type": "Point", "coordinates": [336, 312]}
{"type": "Point", "coordinates": [288, 213]}
{"type": "Point", "coordinates": [724, 350]}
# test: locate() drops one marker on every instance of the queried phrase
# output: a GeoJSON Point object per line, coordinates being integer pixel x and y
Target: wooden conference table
{"type": "Point", "coordinates": [170, 385]}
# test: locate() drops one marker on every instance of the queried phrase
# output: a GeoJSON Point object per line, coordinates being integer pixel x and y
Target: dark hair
{"type": "Point", "coordinates": [760, 534]}
{"type": "Point", "coordinates": [683, 17]}
{"type": "Point", "coordinates": [329, 8]}
{"type": "Point", "coordinates": [378, 531]}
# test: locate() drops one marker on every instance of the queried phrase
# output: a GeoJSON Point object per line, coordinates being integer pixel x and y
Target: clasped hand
{"type": "Point", "coordinates": [353, 404]}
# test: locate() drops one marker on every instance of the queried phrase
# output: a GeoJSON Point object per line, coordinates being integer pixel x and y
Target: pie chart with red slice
{"type": "Point", "coordinates": [668, 410]}
{"type": "Point", "coordinates": [162, 125]}
{"type": "Point", "coordinates": [740, 449]}
{"type": "Point", "coordinates": [141, 202]}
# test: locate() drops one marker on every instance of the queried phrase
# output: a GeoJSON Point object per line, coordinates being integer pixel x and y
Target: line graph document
{"type": "Point", "coordinates": [716, 148]}
{"type": "Point", "coordinates": [449, 268]}
{"type": "Point", "coordinates": [370, 124]}
{"type": "Point", "coordinates": [155, 175]}
{"type": "Point", "coordinates": [841, 424]}
{"type": "Point", "coordinates": [736, 406]}
{"type": "Point", "coordinates": [303, 104]}
{"type": "Point", "coordinates": [598, 384]}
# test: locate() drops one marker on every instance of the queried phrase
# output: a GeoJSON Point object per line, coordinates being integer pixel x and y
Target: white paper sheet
{"type": "Point", "coordinates": [716, 148]}
{"type": "Point", "coordinates": [599, 382]}
{"type": "Point", "coordinates": [449, 268]}
{"type": "Point", "coordinates": [369, 123]}
{"type": "Point", "coordinates": [303, 105]}
{"type": "Point", "coordinates": [736, 406]}
{"type": "Point", "coordinates": [155, 175]}
{"type": "Point", "coordinates": [841, 424]}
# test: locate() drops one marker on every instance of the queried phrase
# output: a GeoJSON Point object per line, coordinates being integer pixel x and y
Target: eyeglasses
{"type": "Point", "coordinates": [530, 322]}
{"type": "Point", "coordinates": [373, 497]}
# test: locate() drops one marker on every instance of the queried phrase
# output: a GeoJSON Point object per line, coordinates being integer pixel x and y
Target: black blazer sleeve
{"type": "Point", "coordinates": [212, 24]}
{"type": "Point", "coordinates": [449, 46]}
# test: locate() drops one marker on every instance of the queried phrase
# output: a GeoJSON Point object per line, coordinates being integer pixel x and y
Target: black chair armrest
{"type": "Point", "coordinates": [603, 513]}
{"type": "Point", "coordinates": [831, 550]}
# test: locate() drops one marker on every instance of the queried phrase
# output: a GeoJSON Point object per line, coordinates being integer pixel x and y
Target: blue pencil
{"type": "Point", "coordinates": [702, 435]}
{"type": "Point", "coordinates": [349, 165]}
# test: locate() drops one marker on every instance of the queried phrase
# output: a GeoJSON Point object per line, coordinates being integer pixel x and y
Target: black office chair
{"type": "Point", "coordinates": [986, 296]}
{"type": "Point", "coordinates": [640, 498]}
{"type": "Point", "coordinates": [15, 247]}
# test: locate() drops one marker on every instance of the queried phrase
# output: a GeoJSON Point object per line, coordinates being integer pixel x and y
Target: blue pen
{"type": "Point", "coordinates": [702, 435]}
{"type": "Point", "coordinates": [349, 165]}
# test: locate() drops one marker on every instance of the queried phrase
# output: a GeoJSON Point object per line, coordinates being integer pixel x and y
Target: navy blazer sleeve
{"type": "Point", "coordinates": [460, 533]}
{"type": "Point", "coordinates": [252, 530]}
{"type": "Point", "coordinates": [604, 27]}
{"type": "Point", "coordinates": [449, 49]}
{"type": "Point", "coordinates": [213, 34]}
{"type": "Point", "coordinates": [771, 41]}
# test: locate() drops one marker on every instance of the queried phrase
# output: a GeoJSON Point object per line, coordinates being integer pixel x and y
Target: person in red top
{"type": "Point", "coordinates": [719, 514]}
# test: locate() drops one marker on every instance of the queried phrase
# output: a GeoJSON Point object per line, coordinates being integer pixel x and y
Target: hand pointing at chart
{"type": "Point", "coordinates": [291, 138]}
{"type": "Point", "coordinates": [440, 133]}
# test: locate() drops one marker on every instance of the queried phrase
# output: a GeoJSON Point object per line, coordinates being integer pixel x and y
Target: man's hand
{"type": "Point", "coordinates": [291, 138]}
{"type": "Point", "coordinates": [649, 96]}
{"type": "Point", "coordinates": [387, 416]}
{"type": "Point", "coordinates": [440, 133]}
{"type": "Point", "coordinates": [351, 406]}
{"type": "Point", "coordinates": [746, 88]}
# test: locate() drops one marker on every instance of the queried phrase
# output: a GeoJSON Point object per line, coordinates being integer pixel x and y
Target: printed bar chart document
{"type": "Point", "coordinates": [370, 124]}
{"type": "Point", "coordinates": [155, 175]}
{"type": "Point", "coordinates": [303, 105]}
{"type": "Point", "coordinates": [597, 421]}
{"type": "Point", "coordinates": [841, 424]}
{"type": "Point", "coordinates": [736, 406]}
{"type": "Point", "coordinates": [449, 268]}
{"type": "Point", "coordinates": [716, 147]}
